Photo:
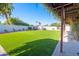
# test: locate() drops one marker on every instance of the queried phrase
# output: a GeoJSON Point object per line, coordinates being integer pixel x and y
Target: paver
{"type": "Point", "coordinates": [70, 47]}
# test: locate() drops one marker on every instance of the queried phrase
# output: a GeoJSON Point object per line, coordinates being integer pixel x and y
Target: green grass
{"type": "Point", "coordinates": [37, 43]}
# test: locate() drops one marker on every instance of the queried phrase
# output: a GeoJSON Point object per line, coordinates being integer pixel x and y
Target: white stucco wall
{"type": "Point", "coordinates": [11, 27]}
{"type": "Point", "coordinates": [67, 28]}
{"type": "Point", "coordinates": [51, 28]}
{"type": "Point", "coordinates": [48, 28]}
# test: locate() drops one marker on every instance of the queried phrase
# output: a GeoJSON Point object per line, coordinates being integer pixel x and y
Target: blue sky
{"type": "Point", "coordinates": [31, 12]}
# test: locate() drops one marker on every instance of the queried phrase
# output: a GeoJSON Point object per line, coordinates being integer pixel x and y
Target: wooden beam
{"type": "Point", "coordinates": [62, 6]}
{"type": "Point", "coordinates": [72, 11]}
{"type": "Point", "coordinates": [62, 28]}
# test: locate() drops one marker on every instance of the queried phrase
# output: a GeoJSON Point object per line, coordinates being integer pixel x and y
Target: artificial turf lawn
{"type": "Point", "coordinates": [37, 43]}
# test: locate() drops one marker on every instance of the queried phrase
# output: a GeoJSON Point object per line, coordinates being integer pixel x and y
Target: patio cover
{"type": "Point", "coordinates": [67, 12]}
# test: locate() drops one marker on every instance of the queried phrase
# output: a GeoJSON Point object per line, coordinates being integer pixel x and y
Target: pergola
{"type": "Point", "coordinates": [67, 12]}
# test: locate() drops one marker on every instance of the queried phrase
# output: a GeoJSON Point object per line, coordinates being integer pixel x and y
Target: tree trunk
{"type": "Point", "coordinates": [7, 19]}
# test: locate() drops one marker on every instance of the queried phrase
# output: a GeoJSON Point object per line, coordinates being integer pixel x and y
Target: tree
{"type": "Point", "coordinates": [5, 10]}
{"type": "Point", "coordinates": [46, 25]}
{"type": "Point", "coordinates": [17, 21]}
{"type": "Point", "coordinates": [0, 22]}
{"type": "Point", "coordinates": [56, 24]}
{"type": "Point", "coordinates": [39, 23]}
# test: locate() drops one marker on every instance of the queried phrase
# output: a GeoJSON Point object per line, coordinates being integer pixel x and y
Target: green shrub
{"type": "Point", "coordinates": [5, 30]}
{"type": "Point", "coordinates": [14, 30]}
{"type": "Point", "coordinates": [23, 29]}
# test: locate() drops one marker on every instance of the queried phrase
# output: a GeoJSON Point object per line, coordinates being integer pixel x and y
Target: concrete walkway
{"type": "Point", "coordinates": [2, 51]}
{"type": "Point", "coordinates": [70, 48]}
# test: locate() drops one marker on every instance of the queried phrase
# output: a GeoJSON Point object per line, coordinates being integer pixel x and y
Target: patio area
{"type": "Point", "coordinates": [70, 46]}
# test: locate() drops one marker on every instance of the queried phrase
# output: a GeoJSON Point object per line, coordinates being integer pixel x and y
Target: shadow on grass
{"type": "Point", "coordinates": [41, 47]}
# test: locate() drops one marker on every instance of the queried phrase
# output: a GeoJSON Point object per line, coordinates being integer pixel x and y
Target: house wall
{"type": "Point", "coordinates": [67, 28]}
{"type": "Point", "coordinates": [49, 28]}
{"type": "Point", "coordinates": [11, 28]}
